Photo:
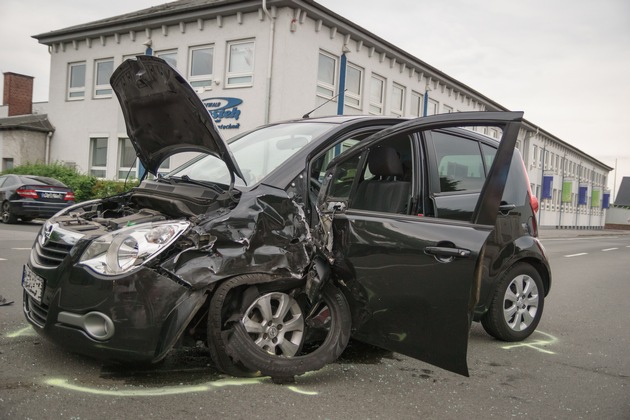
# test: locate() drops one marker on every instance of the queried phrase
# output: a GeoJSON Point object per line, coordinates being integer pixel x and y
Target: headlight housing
{"type": "Point", "coordinates": [122, 251]}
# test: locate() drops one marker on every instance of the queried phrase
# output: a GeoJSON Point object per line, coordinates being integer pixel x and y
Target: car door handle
{"type": "Point", "coordinates": [446, 253]}
{"type": "Point", "coordinates": [506, 208]}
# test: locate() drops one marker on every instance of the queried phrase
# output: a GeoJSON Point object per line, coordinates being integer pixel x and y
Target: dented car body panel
{"type": "Point", "coordinates": [127, 277]}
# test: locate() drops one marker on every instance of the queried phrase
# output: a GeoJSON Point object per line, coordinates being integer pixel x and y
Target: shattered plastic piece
{"type": "Point", "coordinates": [4, 301]}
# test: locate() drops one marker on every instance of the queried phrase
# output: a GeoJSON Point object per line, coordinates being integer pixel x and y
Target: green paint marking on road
{"type": "Point", "coordinates": [24, 332]}
{"type": "Point", "coordinates": [301, 391]}
{"type": "Point", "coordinates": [152, 392]}
{"type": "Point", "coordinates": [534, 344]}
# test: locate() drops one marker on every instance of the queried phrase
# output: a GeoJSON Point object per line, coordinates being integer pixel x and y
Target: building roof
{"type": "Point", "coordinates": [623, 195]}
{"type": "Point", "coordinates": [179, 11]}
{"type": "Point", "coordinates": [31, 122]}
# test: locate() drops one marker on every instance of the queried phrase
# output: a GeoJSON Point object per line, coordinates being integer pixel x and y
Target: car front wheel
{"type": "Point", "coordinates": [281, 335]}
{"type": "Point", "coordinates": [517, 304]}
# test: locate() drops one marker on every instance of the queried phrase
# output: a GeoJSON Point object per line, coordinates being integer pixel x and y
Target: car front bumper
{"type": "Point", "coordinates": [132, 318]}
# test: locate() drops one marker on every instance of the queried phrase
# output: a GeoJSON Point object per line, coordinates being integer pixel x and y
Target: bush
{"type": "Point", "coordinates": [85, 187]}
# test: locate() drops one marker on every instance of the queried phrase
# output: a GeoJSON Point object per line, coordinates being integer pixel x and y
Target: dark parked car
{"type": "Point", "coordinates": [277, 248]}
{"type": "Point", "coordinates": [27, 197]}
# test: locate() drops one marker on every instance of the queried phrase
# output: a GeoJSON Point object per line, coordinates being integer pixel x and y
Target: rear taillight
{"type": "Point", "coordinates": [69, 196]}
{"type": "Point", "coordinates": [27, 193]}
{"type": "Point", "coordinates": [533, 201]}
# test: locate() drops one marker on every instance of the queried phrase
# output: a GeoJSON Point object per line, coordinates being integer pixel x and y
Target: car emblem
{"type": "Point", "coordinates": [46, 233]}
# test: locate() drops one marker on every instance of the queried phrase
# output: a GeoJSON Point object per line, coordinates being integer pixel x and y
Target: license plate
{"type": "Point", "coordinates": [51, 195]}
{"type": "Point", "coordinates": [33, 284]}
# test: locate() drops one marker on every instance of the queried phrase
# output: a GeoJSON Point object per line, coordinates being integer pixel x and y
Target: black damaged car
{"type": "Point", "coordinates": [277, 248]}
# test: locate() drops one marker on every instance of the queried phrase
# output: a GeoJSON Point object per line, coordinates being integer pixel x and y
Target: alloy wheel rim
{"type": "Point", "coordinates": [520, 303]}
{"type": "Point", "coordinates": [275, 323]}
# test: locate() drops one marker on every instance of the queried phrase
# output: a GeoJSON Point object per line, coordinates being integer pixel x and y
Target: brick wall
{"type": "Point", "coordinates": [18, 93]}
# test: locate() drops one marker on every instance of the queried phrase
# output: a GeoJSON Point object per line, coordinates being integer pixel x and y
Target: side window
{"type": "Point", "coordinates": [459, 163]}
{"type": "Point", "coordinates": [319, 165]}
{"type": "Point", "coordinates": [343, 178]}
{"type": "Point", "coordinates": [380, 183]}
{"type": "Point", "coordinates": [489, 153]}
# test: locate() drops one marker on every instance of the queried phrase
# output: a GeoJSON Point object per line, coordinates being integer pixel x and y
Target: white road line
{"type": "Point", "coordinates": [3, 259]}
{"type": "Point", "coordinates": [576, 255]}
{"type": "Point", "coordinates": [609, 249]}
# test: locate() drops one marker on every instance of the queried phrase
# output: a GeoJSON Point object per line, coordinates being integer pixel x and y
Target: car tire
{"type": "Point", "coordinates": [7, 216]}
{"type": "Point", "coordinates": [517, 304]}
{"type": "Point", "coordinates": [220, 325]}
{"type": "Point", "coordinates": [330, 316]}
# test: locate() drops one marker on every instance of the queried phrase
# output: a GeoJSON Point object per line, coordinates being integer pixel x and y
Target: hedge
{"type": "Point", "coordinates": [85, 187]}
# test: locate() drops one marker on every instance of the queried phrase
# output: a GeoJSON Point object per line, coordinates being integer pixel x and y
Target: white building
{"type": "Point", "coordinates": [254, 62]}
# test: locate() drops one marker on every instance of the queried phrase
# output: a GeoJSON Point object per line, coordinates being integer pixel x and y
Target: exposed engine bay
{"type": "Point", "coordinates": [151, 201]}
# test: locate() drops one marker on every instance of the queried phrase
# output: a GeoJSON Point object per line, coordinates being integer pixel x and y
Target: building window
{"type": "Point", "coordinates": [377, 94]}
{"type": "Point", "coordinates": [534, 155]}
{"type": "Point", "coordinates": [398, 100]}
{"type": "Point", "coordinates": [7, 163]}
{"type": "Point", "coordinates": [76, 81]}
{"type": "Point", "coordinates": [169, 56]}
{"type": "Point", "coordinates": [354, 84]}
{"type": "Point", "coordinates": [98, 157]}
{"type": "Point", "coordinates": [432, 107]}
{"type": "Point", "coordinates": [126, 159]}
{"type": "Point", "coordinates": [416, 104]}
{"type": "Point", "coordinates": [240, 63]}
{"type": "Point", "coordinates": [326, 75]}
{"type": "Point", "coordinates": [200, 66]}
{"type": "Point", "coordinates": [446, 109]}
{"type": "Point", "coordinates": [103, 70]}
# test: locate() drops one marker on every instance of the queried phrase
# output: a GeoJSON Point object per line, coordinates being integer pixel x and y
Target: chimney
{"type": "Point", "coordinates": [18, 93]}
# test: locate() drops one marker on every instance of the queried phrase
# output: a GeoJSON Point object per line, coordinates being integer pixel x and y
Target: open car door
{"type": "Point", "coordinates": [411, 280]}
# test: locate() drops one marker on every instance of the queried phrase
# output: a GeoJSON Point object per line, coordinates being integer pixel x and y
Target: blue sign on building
{"type": "Point", "coordinates": [582, 193]}
{"type": "Point", "coordinates": [222, 109]}
{"type": "Point", "coordinates": [547, 186]}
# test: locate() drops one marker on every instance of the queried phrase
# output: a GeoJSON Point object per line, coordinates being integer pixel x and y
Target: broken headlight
{"type": "Point", "coordinates": [119, 252]}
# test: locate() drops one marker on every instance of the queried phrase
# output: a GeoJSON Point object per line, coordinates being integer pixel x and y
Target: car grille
{"type": "Point", "coordinates": [51, 254]}
{"type": "Point", "coordinates": [35, 311]}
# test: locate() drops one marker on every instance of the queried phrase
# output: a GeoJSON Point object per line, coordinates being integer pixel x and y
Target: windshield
{"type": "Point", "coordinates": [257, 153]}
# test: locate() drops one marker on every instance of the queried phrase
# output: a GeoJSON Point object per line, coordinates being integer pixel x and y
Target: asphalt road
{"type": "Point", "coordinates": [575, 366]}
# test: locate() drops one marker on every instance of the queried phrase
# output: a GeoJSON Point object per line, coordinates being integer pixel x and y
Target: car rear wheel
{"type": "Point", "coordinates": [276, 332]}
{"type": "Point", "coordinates": [7, 216]}
{"type": "Point", "coordinates": [517, 304]}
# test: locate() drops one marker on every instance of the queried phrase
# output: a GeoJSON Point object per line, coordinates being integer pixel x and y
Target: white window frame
{"type": "Point", "coordinates": [243, 74]}
{"type": "Point", "coordinates": [447, 109]}
{"type": "Point", "coordinates": [325, 89]}
{"type": "Point", "coordinates": [353, 99]}
{"type": "Point", "coordinates": [76, 93]}
{"type": "Point", "coordinates": [417, 98]}
{"type": "Point", "coordinates": [102, 90]}
{"type": "Point", "coordinates": [377, 107]}
{"type": "Point", "coordinates": [434, 106]}
{"type": "Point", "coordinates": [124, 170]}
{"type": "Point", "coordinates": [400, 112]}
{"type": "Point", "coordinates": [161, 54]}
{"type": "Point", "coordinates": [201, 80]}
{"type": "Point", "coordinates": [97, 168]}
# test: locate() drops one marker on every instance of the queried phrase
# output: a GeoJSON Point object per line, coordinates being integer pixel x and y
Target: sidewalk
{"type": "Point", "coordinates": [548, 232]}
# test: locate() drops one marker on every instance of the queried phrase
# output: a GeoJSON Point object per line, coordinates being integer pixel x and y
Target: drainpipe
{"type": "Point", "coordinates": [47, 153]}
{"type": "Point", "coordinates": [272, 30]}
{"type": "Point", "coordinates": [425, 108]}
{"type": "Point", "coordinates": [342, 80]}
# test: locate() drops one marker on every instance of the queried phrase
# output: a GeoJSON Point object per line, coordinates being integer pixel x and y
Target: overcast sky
{"type": "Point", "coordinates": [565, 63]}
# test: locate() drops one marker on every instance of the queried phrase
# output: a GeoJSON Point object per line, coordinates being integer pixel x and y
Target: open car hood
{"type": "Point", "coordinates": [164, 115]}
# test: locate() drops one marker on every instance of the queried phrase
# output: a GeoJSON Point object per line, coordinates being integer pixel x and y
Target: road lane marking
{"type": "Point", "coordinates": [576, 255]}
{"type": "Point", "coordinates": [609, 249]}
{"type": "Point", "coordinates": [3, 259]}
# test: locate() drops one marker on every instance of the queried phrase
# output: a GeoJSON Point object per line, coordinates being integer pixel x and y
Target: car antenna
{"type": "Point", "coordinates": [308, 114]}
